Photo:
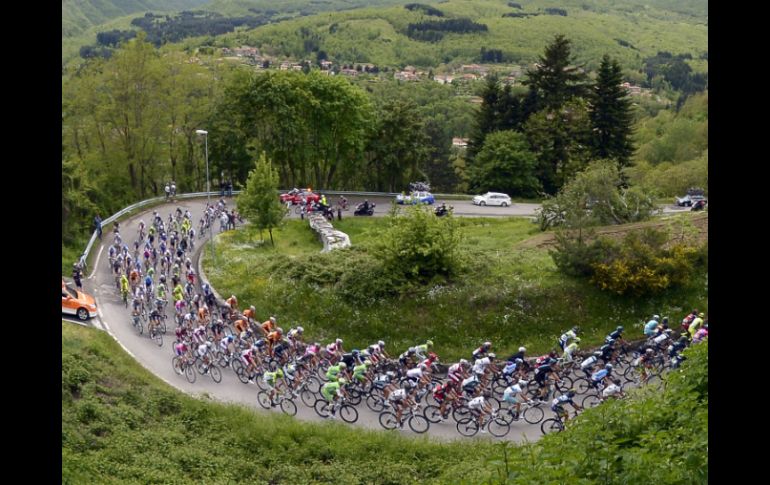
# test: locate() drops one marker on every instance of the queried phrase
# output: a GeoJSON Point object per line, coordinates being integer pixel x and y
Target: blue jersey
{"type": "Point", "coordinates": [599, 375]}
{"type": "Point", "coordinates": [649, 328]}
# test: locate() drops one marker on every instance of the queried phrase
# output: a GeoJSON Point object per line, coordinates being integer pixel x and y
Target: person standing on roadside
{"type": "Point", "coordinates": [98, 225]}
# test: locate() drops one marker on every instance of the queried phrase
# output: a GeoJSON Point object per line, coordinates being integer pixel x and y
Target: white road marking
{"type": "Point", "coordinates": [98, 324]}
{"type": "Point", "coordinates": [96, 263]}
{"type": "Point", "coordinates": [74, 321]}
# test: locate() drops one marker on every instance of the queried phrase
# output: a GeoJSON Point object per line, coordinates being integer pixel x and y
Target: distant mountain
{"type": "Point", "coordinates": [79, 15]}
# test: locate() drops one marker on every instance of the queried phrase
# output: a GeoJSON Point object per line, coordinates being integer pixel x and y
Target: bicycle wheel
{"type": "Point", "coordinates": [591, 401]}
{"type": "Point", "coordinates": [157, 337]}
{"type": "Point", "coordinates": [533, 415]}
{"type": "Point", "coordinates": [375, 403]}
{"type": "Point", "coordinates": [163, 325]}
{"type": "Point", "coordinates": [631, 374]}
{"type": "Point", "coordinates": [261, 383]}
{"type": "Point", "coordinates": [582, 385]}
{"type": "Point", "coordinates": [388, 420]}
{"type": "Point", "coordinates": [467, 427]}
{"type": "Point", "coordinates": [551, 425]}
{"type": "Point", "coordinates": [348, 413]}
{"type": "Point", "coordinates": [288, 407]}
{"type": "Point", "coordinates": [432, 414]}
{"type": "Point", "coordinates": [418, 423]}
{"type": "Point", "coordinates": [139, 327]}
{"type": "Point", "coordinates": [263, 399]}
{"type": "Point", "coordinates": [494, 402]}
{"type": "Point", "coordinates": [189, 373]}
{"type": "Point", "coordinates": [321, 408]}
{"type": "Point", "coordinates": [564, 384]}
{"type": "Point", "coordinates": [176, 365]}
{"type": "Point", "coordinates": [216, 374]}
{"type": "Point", "coordinates": [313, 384]}
{"type": "Point", "coordinates": [498, 427]}
{"type": "Point", "coordinates": [461, 413]}
{"type": "Point", "coordinates": [499, 384]}
{"type": "Point", "coordinates": [307, 397]}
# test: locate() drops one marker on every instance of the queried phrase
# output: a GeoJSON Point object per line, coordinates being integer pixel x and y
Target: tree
{"type": "Point", "coordinates": [259, 202]}
{"type": "Point", "coordinates": [611, 116]}
{"type": "Point", "coordinates": [505, 164]}
{"type": "Point", "coordinates": [554, 79]}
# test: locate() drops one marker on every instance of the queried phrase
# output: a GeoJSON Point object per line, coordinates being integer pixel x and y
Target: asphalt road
{"type": "Point", "coordinates": [114, 317]}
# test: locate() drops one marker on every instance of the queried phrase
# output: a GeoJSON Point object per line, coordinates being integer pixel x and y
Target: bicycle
{"type": "Point", "coordinates": [182, 366]}
{"type": "Point", "coordinates": [497, 426]}
{"type": "Point", "coordinates": [417, 423]}
{"type": "Point", "coordinates": [286, 403]}
{"type": "Point", "coordinates": [136, 322]}
{"type": "Point", "coordinates": [210, 369]}
{"type": "Point", "coordinates": [532, 413]}
{"type": "Point", "coordinates": [156, 335]}
{"type": "Point", "coordinates": [552, 425]}
{"type": "Point", "coordinates": [348, 413]}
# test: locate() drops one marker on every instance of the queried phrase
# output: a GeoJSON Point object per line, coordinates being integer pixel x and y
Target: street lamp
{"type": "Point", "coordinates": [208, 189]}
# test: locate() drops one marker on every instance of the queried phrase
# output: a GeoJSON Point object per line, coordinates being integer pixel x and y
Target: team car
{"type": "Point", "coordinates": [419, 197]}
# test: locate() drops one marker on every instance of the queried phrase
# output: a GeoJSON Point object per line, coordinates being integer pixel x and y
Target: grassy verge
{"type": "Point", "coordinates": [509, 295]}
{"type": "Point", "coordinates": [121, 424]}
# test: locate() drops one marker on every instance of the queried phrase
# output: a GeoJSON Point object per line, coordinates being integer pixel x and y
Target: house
{"type": "Point", "coordinates": [405, 76]}
{"type": "Point", "coordinates": [476, 99]}
{"type": "Point", "coordinates": [326, 65]}
{"type": "Point", "coordinates": [349, 72]}
{"type": "Point", "coordinates": [460, 142]}
{"type": "Point", "coordinates": [474, 68]}
{"type": "Point", "coordinates": [632, 90]}
{"type": "Point", "coordinates": [468, 77]}
{"type": "Point", "coordinates": [444, 79]}
{"type": "Point", "coordinates": [409, 69]}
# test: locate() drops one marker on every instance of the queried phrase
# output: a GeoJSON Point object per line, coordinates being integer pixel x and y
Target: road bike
{"type": "Point", "coordinates": [417, 423]}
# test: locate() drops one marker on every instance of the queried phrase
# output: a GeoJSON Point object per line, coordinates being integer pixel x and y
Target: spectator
{"type": "Point", "coordinates": [222, 186]}
{"type": "Point", "coordinates": [229, 188]}
{"type": "Point", "coordinates": [98, 225]}
{"type": "Point", "coordinates": [77, 276]}
{"type": "Point", "coordinates": [168, 190]}
{"type": "Point", "coordinates": [231, 220]}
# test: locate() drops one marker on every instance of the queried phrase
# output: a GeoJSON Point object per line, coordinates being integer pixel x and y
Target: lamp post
{"type": "Point", "coordinates": [208, 188]}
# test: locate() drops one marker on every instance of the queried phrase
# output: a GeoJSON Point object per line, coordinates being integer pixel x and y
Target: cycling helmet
{"type": "Point", "coordinates": [619, 329]}
{"type": "Point", "coordinates": [571, 393]}
{"type": "Point", "coordinates": [342, 380]}
{"type": "Point", "coordinates": [411, 350]}
{"type": "Point", "coordinates": [252, 308]}
{"type": "Point", "coordinates": [650, 351]}
{"type": "Point", "coordinates": [701, 315]}
{"type": "Point", "coordinates": [684, 339]}
{"type": "Point", "coordinates": [209, 344]}
{"type": "Point", "coordinates": [343, 365]}
{"type": "Point", "coordinates": [279, 330]}
{"type": "Point", "coordinates": [492, 356]}
{"type": "Point", "coordinates": [608, 366]}
{"type": "Point", "coordinates": [355, 352]}
{"type": "Point", "coordinates": [279, 373]}
{"type": "Point", "coordinates": [300, 329]}
{"type": "Point", "coordinates": [487, 344]}
{"type": "Point", "coordinates": [463, 362]}
{"type": "Point", "coordinates": [381, 343]}
{"type": "Point", "coordinates": [522, 349]}
{"type": "Point", "coordinates": [429, 343]}
{"type": "Point", "coordinates": [338, 341]}
{"type": "Point", "coordinates": [230, 338]}
{"type": "Point", "coordinates": [272, 319]}
{"type": "Point", "coordinates": [656, 317]}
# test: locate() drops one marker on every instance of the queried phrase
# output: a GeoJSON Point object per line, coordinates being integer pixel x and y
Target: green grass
{"type": "Point", "coordinates": [120, 424]}
{"type": "Point", "coordinates": [507, 295]}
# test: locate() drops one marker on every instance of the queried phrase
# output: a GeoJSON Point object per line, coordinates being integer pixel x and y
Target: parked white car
{"type": "Point", "coordinates": [492, 198]}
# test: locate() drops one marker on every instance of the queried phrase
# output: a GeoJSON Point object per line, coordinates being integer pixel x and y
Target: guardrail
{"type": "Point", "coordinates": [193, 195]}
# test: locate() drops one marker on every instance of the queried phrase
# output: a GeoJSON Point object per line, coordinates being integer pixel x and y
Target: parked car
{"type": "Point", "coordinates": [492, 198]}
{"type": "Point", "coordinates": [297, 196]}
{"type": "Point", "coordinates": [74, 302]}
{"type": "Point", "coordinates": [420, 197]}
{"type": "Point", "coordinates": [693, 196]}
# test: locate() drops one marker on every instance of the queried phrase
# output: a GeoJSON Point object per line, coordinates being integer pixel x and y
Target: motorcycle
{"type": "Point", "coordinates": [443, 211]}
{"type": "Point", "coordinates": [361, 212]}
{"type": "Point", "coordinates": [699, 206]}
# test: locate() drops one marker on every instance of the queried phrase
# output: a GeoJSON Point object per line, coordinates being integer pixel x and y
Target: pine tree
{"type": "Point", "coordinates": [555, 80]}
{"type": "Point", "coordinates": [259, 201]}
{"type": "Point", "coordinates": [611, 117]}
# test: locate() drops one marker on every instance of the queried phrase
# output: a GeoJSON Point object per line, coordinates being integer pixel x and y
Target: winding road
{"type": "Point", "coordinates": [114, 317]}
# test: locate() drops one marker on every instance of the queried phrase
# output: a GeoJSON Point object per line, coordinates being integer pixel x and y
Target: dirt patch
{"type": "Point", "coordinates": [700, 222]}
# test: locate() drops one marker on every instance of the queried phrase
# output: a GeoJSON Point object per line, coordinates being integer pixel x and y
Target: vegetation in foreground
{"type": "Point", "coordinates": [116, 417]}
{"type": "Point", "coordinates": [509, 295]}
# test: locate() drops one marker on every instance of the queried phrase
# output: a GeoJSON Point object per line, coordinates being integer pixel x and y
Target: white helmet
{"type": "Point", "coordinates": [300, 329]}
{"type": "Point", "coordinates": [463, 362]}
{"type": "Point", "coordinates": [522, 382]}
{"type": "Point", "coordinates": [338, 341]}
{"type": "Point", "coordinates": [522, 349]}
{"type": "Point", "coordinates": [381, 343]}
{"type": "Point", "coordinates": [656, 317]}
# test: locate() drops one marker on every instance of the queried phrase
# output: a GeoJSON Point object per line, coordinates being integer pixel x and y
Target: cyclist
{"type": "Point", "coordinates": [686, 321]}
{"type": "Point", "coordinates": [598, 378]}
{"type": "Point", "coordinates": [541, 375]}
{"type": "Point", "coordinates": [417, 379]}
{"type": "Point", "coordinates": [616, 335]}
{"type": "Point", "coordinates": [613, 390]}
{"type": "Point", "coordinates": [471, 385]}
{"type": "Point", "coordinates": [481, 351]}
{"type": "Point", "coordinates": [331, 391]}
{"type": "Point", "coordinates": [557, 405]}
{"type": "Point", "coordinates": [178, 292]}
{"type": "Point", "coordinates": [567, 336]}
{"type": "Point", "coordinates": [649, 327]}
{"type": "Point", "coordinates": [570, 349]}
{"type": "Point", "coordinates": [399, 399]}
{"type": "Point", "coordinates": [123, 285]}
{"type": "Point", "coordinates": [268, 326]}
{"type": "Point", "coordinates": [422, 350]}
{"type": "Point", "coordinates": [271, 379]}
{"type": "Point", "coordinates": [250, 314]}
{"type": "Point", "coordinates": [481, 365]}
{"type": "Point", "coordinates": [233, 302]}
{"type": "Point", "coordinates": [332, 374]}
{"type": "Point", "coordinates": [241, 326]}
{"type": "Point", "coordinates": [361, 372]}
{"type": "Point", "coordinates": [701, 334]}
{"type": "Point", "coordinates": [513, 393]}
{"type": "Point", "coordinates": [295, 337]}
{"type": "Point", "coordinates": [480, 408]}
{"type": "Point", "coordinates": [334, 350]}
{"type": "Point", "coordinates": [444, 394]}
{"type": "Point", "coordinates": [203, 353]}
{"type": "Point", "coordinates": [458, 372]}
{"type": "Point", "coordinates": [407, 359]}
{"type": "Point", "coordinates": [696, 324]}
{"type": "Point", "coordinates": [517, 355]}
{"type": "Point", "coordinates": [249, 358]}
{"type": "Point", "coordinates": [279, 350]}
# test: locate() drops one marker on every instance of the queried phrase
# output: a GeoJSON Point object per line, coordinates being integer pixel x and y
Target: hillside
{"type": "Point", "coordinates": [79, 15]}
{"type": "Point", "coordinates": [382, 36]}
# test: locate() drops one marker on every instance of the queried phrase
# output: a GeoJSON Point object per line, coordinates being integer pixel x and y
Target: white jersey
{"type": "Point", "coordinates": [470, 380]}
{"type": "Point", "coordinates": [588, 362]}
{"type": "Point", "coordinates": [660, 338]}
{"type": "Point", "coordinates": [611, 390]}
{"type": "Point", "coordinates": [415, 373]}
{"type": "Point", "coordinates": [476, 402]}
{"type": "Point", "coordinates": [481, 365]}
{"type": "Point", "coordinates": [511, 391]}
{"type": "Point", "coordinates": [203, 349]}
{"type": "Point", "coordinates": [397, 395]}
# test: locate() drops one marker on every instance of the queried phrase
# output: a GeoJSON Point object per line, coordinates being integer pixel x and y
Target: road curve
{"type": "Point", "coordinates": [114, 317]}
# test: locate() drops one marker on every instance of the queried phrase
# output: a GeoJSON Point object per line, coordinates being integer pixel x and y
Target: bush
{"type": "Point", "coordinates": [420, 247]}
